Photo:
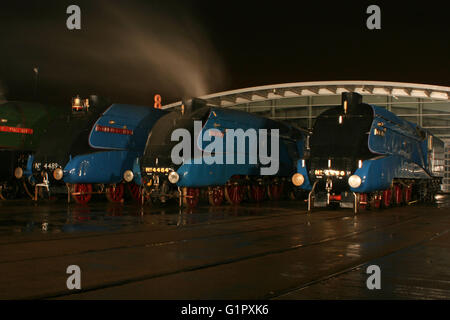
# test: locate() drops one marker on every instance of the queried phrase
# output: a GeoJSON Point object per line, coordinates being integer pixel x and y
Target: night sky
{"type": "Point", "coordinates": [130, 50]}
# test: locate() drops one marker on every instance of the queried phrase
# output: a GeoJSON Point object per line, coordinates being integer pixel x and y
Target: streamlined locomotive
{"type": "Point", "coordinates": [100, 147]}
{"type": "Point", "coordinates": [117, 140]}
{"type": "Point", "coordinates": [205, 171]}
{"type": "Point", "coordinates": [365, 156]}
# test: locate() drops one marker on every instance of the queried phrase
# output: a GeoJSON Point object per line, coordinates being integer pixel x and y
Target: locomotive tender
{"type": "Point", "coordinates": [367, 156]}
{"type": "Point", "coordinates": [163, 179]}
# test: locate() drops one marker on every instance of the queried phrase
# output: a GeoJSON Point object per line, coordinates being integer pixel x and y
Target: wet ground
{"type": "Point", "coordinates": [267, 251]}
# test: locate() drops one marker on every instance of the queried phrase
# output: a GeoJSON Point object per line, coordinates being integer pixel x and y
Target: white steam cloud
{"type": "Point", "coordinates": [124, 49]}
{"type": "Point", "coordinates": [138, 51]}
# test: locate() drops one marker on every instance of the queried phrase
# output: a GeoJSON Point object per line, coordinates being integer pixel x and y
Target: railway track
{"type": "Point", "coordinates": [262, 237]}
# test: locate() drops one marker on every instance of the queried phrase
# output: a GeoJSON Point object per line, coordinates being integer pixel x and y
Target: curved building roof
{"type": "Point", "coordinates": [317, 88]}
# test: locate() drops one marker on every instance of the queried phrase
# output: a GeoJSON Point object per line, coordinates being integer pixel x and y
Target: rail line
{"type": "Point", "coordinates": [223, 262]}
{"type": "Point", "coordinates": [351, 269]}
{"type": "Point", "coordinates": [178, 241]}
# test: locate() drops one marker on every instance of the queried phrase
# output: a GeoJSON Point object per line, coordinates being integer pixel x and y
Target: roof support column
{"type": "Point", "coordinates": [420, 111]}
{"type": "Point", "coordinates": [309, 112]}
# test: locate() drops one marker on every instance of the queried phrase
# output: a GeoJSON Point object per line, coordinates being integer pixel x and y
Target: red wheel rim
{"type": "Point", "coordinates": [377, 204]}
{"type": "Point", "coordinates": [85, 191]}
{"type": "Point", "coordinates": [275, 191]}
{"type": "Point", "coordinates": [257, 193]}
{"type": "Point", "coordinates": [217, 195]}
{"type": "Point", "coordinates": [115, 194]}
{"type": "Point", "coordinates": [192, 197]}
{"type": "Point", "coordinates": [387, 198]}
{"type": "Point", "coordinates": [408, 192]}
{"type": "Point", "coordinates": [234, 194]}
{"type": "Point", "coordinates": [363, 198]}
{"type": "Point", "coordinates": [135, 191]}
{"type": "Point", "coordinates": [398, 195]}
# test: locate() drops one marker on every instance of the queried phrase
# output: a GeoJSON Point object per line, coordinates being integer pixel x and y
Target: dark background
{"type": "Point", "coordinates": [130, 50]}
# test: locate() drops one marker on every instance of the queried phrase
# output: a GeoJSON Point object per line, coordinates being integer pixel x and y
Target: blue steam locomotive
{"type": "Point", "coordinates": [117, 139]}
{"type": "Point", "coordinates": [216, 174]}
{"type": "Point", "coordinates": [365, 156]}
{"type": "Point", "coordinates": [89, 152]}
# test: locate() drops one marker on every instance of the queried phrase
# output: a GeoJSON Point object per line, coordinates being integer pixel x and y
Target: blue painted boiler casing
{"type": "Point", "coordinates": [407, 152]}
{"type": "Point", "coordinates": [200, 175]}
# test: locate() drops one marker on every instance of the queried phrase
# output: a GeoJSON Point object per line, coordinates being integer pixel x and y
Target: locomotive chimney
{"type": "Point", "coordinates": [350, 100]}
{"type": "Point", "coordinates": [193, 104]}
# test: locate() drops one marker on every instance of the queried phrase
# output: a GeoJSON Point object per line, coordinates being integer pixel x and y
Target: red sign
{"type": "Point", "coordinates": [16, 130]}
{"type": "Point", "coordinates": [113, 130]}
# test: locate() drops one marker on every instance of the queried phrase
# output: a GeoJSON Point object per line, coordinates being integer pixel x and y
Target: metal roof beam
{"type": "Point", "coordinates": [261, 94]}
{"type": "Point", "coordinates": [368, 88]}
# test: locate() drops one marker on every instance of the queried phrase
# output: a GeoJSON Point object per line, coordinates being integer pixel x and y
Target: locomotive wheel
{"type": "Point", "coordinates": [85, 190]}
{"type": "Point", "coordinates": [387, 198]}
{"type": "Point", "coordinates": [257, 193]}
{"type": "Point", "coordinates": [296, 193]}
{"type": "Point", "coordinates": [407, 194]}
{"type": "Point", "coordinates": [135, 191]}
{"type": "Point", "coordinates": [191, 197]}
{"type": "Point", "coordinates": [26, 186]}
{"type": "Point", "coordinates": [275, 191]}
{"type": "Point", "coordinates": [234, 194]}
{"type": "Point", "coordinates": [215, 195]}
{"type": "Point", "coordinates": [375, 202]}
{"type": "Point", "coordinates": [9, 191]}
{"type": "Point", "coordinates": [115, 195]}
{"type": "Point", "coordinates": [398, 195]}
{"type": "Point", "coordinates": [362, 201]}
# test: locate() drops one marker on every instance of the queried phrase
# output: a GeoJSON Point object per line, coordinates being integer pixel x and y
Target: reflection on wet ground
{"type": "Point", "coordinates": [442, 200]}
{"type": "Point", "coordinates": [56, 217]}
{"type": "Point", "coordinates": [253, 251]}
